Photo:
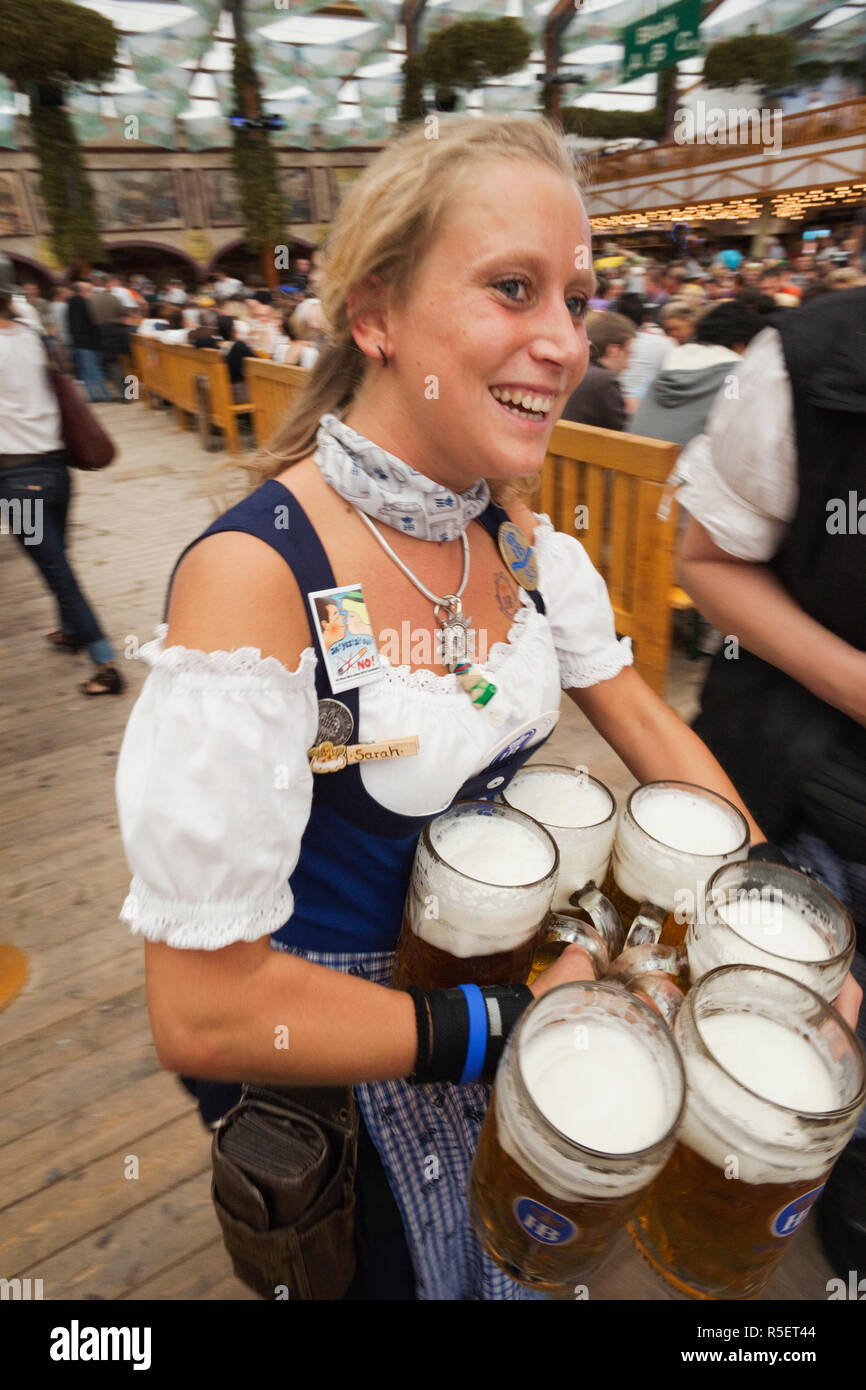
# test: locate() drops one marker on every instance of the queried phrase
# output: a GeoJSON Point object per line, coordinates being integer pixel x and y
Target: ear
{"type": "Point", "coordinates": [366, 307]}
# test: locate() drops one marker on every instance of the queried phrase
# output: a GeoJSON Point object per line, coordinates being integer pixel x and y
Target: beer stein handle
{"type": "Point", "coordinates": [647, 926]}
{"type": "Point", "coordinates": [572, 932]}
{"type": "Point", "coordinates": [602, 914]}
{"type": "Point", "coordinates": [661, 992]}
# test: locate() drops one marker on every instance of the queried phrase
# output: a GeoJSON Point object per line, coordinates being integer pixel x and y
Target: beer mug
{"type": "Point", "coordinates": [588, 1095]}
{"type": "Point", "coordinates": [670, 839]}
{"type": "Point", "coordinates": [770, 915]}
{"type": "Point", "coordinates": [775, 1086]}
{"type": "Point", "coordinates": [482, 882]}
{"type": "Point", "coordinates": [580, 814]}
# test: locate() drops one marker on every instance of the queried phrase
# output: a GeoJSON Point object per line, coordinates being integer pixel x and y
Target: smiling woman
{"type": "Point", "coordinates": [455, 295]}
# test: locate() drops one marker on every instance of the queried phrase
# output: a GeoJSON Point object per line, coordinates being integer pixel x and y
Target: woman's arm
{"type": "Point", "coordinates": [246, 1011]}
{"type": "Point", "coordinates": [652, 740]}
{"type": "Point", "coordinates": [748, 601]}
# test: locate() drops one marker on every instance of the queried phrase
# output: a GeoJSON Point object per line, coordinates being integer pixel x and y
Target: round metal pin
{"type": "Point", "coordinates": [336, 724]}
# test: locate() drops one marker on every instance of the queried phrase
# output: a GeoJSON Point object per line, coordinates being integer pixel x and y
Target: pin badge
{"type": "Point", "coordinates": [518, 554]}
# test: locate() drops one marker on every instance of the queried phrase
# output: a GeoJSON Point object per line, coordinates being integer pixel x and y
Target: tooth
{"type": "Point", "coordinates": [537, 403]}
{"type": "Point", "coordinates": [506, 397]}
{"type": "Point", "coordinates": [495, 391]}
{"type": "Point", "coordinates": [526, 402]}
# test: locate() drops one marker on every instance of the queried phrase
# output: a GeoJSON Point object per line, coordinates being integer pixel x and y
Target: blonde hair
{"type": "Point", "coordinates": [385, 226]}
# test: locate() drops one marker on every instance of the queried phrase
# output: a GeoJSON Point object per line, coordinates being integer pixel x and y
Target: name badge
{"type": "Point", "coordinates": [345, 636]}
{"type": "Point", "coordinates": [333, 757]}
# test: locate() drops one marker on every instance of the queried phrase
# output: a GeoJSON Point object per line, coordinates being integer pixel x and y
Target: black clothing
{"type": "Point", "coordinates": [235, 358]}
{"type": "Point", "coordinates": [204, 341]}
{"type": "Point", "coordinates": [794, 759]}
{"type": "Point", "coordinates": [598, 400]}
{"type": "Point", "coordinates": [83, 332]}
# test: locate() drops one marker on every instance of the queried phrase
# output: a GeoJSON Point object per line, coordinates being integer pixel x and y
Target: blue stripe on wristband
{"type": "Point", "coordinates": [477, 1046]}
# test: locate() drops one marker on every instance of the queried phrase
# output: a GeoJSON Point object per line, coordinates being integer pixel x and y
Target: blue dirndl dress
{"type": "Point", "coordinates": [347, 917]}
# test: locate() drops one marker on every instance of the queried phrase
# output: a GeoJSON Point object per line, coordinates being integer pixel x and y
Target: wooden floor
{"type": "Point", "coordinates": [84, 1102]}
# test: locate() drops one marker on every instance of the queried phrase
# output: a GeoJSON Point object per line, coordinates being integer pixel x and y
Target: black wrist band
{"type": "Point", "coordinates": [423, 1024]}
{"type": "Point", "coordinates": [769, 854]}
{"type": "Point", "coordinates": [505, 1004]}
{"type": "Point", "coordinates": [442, 1017]}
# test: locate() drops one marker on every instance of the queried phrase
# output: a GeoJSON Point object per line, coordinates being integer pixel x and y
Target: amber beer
{"type": "Point", "coordinates": [775, 1086]}
{"type": "Point", "coordinates": [670, 838]}
{"type": "Point", "coordinates": [482, 882]}
{"type": "Point", "coordinates": [583, 1115]}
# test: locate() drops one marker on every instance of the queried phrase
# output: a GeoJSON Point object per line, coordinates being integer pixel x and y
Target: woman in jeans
{"type": "Point", "coordinates": [35, 491]}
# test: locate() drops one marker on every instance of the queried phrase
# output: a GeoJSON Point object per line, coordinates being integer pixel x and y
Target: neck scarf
{"type": "Point", "coordinates": [391, 491]}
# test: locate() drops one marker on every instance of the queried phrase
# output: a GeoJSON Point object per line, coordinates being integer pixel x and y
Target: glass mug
{"type": "Point", "coordinates": [770, 915]}
{"type": "Point", "coordinates": [482, 882]}
{"type": "Point", "coordinates": [579, 812]}
{"type": "Point", "coordinates": [775, 1084]}
{"type": "Point", "coordinates": [588, 1095]}
{"type": "Point", "coordinates": [671, 837]}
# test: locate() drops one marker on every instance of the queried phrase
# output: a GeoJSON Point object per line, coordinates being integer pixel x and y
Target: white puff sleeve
{"type": "Point", "coordinates": [214, 791]}
{"type": "Point", "coordinates": [578, 610]}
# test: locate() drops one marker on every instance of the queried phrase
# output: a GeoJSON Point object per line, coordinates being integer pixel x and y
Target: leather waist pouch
{"type": "Point", "coordinates": [284, 1163]}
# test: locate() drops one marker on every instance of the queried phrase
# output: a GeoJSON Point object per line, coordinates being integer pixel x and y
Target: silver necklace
{"type": "Point", "coordinates": [447, 608]}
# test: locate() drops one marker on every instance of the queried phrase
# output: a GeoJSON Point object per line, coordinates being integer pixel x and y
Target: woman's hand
{"type": "Point", "coordinates": [848, 1001]}
{"type": "Point", "coordinates": [573, 964]}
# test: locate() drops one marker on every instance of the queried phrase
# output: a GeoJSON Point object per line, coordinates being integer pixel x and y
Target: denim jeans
{"type": "Point", "coordinates": [43, 537]}
{"type": "Point", "coordinates": [89, 370]}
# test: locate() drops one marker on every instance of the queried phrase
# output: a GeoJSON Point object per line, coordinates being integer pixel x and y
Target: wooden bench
{"type": "Point", "coordinates": [195, 381]}
{"type": "Point", "coordinates": [606, 488]}
{"type": "Point", "coordinates": [274, 391]}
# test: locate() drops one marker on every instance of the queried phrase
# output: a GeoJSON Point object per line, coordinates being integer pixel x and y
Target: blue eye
{"type": "Point", "coordinates": [582, 304]}
{"type": "Point", "coordinates": [511, 280]}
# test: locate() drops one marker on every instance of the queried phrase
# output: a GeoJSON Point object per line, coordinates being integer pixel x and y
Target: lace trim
{"type": "Point", "coordinates": [582, 674]}
{"type": "Point", "coordinates": [202, 926]}
{"type": "Point", "coordinates": [246, 663]}
{"type": "Point", "coordinates": [429, 682]}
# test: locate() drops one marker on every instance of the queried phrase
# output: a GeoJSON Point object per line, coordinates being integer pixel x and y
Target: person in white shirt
{"type": "Point", "coordinates": [35, 491]}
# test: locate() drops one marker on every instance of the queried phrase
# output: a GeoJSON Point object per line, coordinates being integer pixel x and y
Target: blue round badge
{"type": "Point", "coordinates": [546, 1226]}
{"type": "Point", "coordinates": [786, 1221]}
{"type": "Point", "coordinates": [518, 555]}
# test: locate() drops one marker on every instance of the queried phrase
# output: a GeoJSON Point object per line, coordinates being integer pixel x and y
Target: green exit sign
{"type": "Point", "coordinates": [661, 39]}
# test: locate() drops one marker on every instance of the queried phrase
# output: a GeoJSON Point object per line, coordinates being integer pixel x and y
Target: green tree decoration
{"type": "Point", "coordinates": [462, 57]}
{"type": "Point", "coordinates": [254, 160]}
{"type": "Point", "coordinates": [765, 59]}
{"type": "Point", "coordinates": [46, 47]}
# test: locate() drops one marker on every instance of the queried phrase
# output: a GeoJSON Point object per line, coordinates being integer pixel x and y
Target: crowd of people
{"type": "Point", "coordinates": [88, 322]}
{"type": "Point", "coordinates": [664, 335]}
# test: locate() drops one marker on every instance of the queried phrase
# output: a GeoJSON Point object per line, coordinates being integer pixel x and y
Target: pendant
{"type": "Point", "coordinates": [457, 635]}
{"type": "Point", "coordinates": [518, 554]}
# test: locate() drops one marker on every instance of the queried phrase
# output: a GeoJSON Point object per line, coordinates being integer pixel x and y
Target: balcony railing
{"type": "Point", "coordinates": [800, 128]}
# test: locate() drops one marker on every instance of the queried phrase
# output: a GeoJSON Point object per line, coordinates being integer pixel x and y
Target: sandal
{"type": "Point", "coordinates": [67, 640]}
{"type": "Point", "coordinates": [106, 679]}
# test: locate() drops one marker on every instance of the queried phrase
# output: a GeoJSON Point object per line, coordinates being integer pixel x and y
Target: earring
{"type": "Point", "coordinates": [382, 355]}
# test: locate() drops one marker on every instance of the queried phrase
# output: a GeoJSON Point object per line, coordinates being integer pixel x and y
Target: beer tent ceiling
{"type": "Point", "coordinates": [343, 72]}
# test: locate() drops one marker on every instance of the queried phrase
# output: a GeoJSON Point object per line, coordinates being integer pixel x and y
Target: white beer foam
{"type": "Point", "coordinates": [774, 926]}
{"type": "Point", "coordinates": [559, 798]}
{"type": "Point", "coordinates": [500, 903]}
{"type": "Point", "coordinates": [724, 1122]}
{"type": "Point", "coordinates": [797, 947]}
{"type": "Point", "coordinates": [597, 1082]}
{"type": "Point", "coordinates": [578, 815]}
{"type": "Point", "coordinates": [683, 824]}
